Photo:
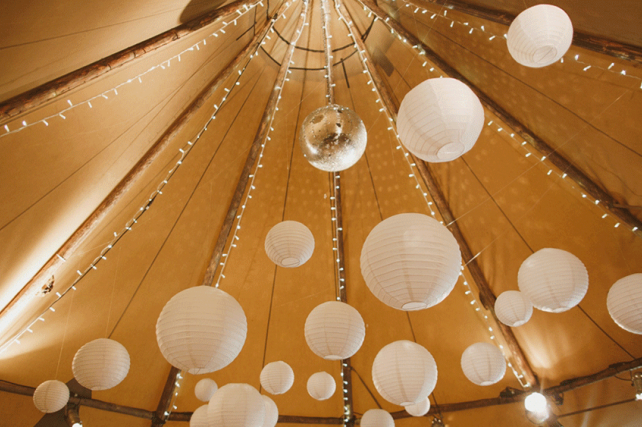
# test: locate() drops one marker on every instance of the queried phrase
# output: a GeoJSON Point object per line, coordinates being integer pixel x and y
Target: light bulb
{"type": "Point", "coordinates": [535, 402]}
{"type": "Point", "coordinates": [637, 383]}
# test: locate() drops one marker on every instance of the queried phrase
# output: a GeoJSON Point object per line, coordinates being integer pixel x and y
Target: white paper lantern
{"type": "Point", "coordinates": [624, 303]}
{"type": "Point", "coordinates": [277, 377]}
{"type": "Point", "coordinates": [440, 119]}
{"type": "Point", "coordinates": [410, 261]}
{"type": "Point", "coordinates": [205, 389]}
{"type": "Point", "coordinates": [419, 409]}
{"type": "Point", "coordinates": [236, 405]}
{"type": "Point", "coordinates": [199, 417]}
{"type": "Point", "coordinates": [51, 396]}
{"type": "Point", "coordinates": [513, 308]}
{"type": "Point", "coordinates": [553, 280]}
{"type": "Point", "coordinates": [271, 412]}
{"type": "Point", "coordinates": [483, 364]}
{"type": "Point", "coordinates": [404, 373]}
{"type": "Point", "coordinates": [201, 330]}
{"type": "Point", "coordinates": [540, 35]}
{"type": "Point", "coordinates": [377, 418]}
{"type": "Point", "coordinates": [289, 244]}
{"type": "Point", "coordinates": [101, 364]}
{"type": "Point", "coordinates": [321, 386]}
{"type": "Point", "coordinates": [334, 330]}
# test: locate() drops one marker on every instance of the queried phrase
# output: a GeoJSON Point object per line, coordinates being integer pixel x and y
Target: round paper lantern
{"type": "Point", "coordinates": [440, 119]}
{"type": "Point", "coordinates": [201, 330]}
{"type": "Point", "coordinates": [419, 409]}
{"type": "Point", "coordinates": [236, 405]}
{"type": "Point", "coordinates": [334, 330]}
{"type": "Point", "coordinates": [410, 261]}
{"type": "Point", "coordinates": [289, 244]}
{"type": "Point", "coordinates": [101, 364]}
{"type": "Point", "coordinates": [199, 417]}
{"type": "Point", "coordinates": [404, 373]}
{"type": "Point", "coordinates": [377, 418]}
{"type": "Point", "coordinates": [277, 377]}
{"type": "Point", "coordinates": [540, 35]}
{"type": "Point", "coordinates": [271, 412]}
{"type": "Point", "coordinates": [553, 280]}
{"type": "Point", "coordinates": [624, 303]}
{"type": "Point", "coordinates": [205, 389]}
{"type": "Point", "coordinates": [51, 396]}
{"type": "Point", "coordinates": [321, 386]}
{"type": "Point", "coordinates": [333, 138]}
{"type": "Point", "coordinates": [483, 364]}
{"type": "Point", "coordinates": [513, 308]}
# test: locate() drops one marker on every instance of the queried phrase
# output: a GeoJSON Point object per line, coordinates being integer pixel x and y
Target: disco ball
{"type": "Point", "coordinates": [333, 138]}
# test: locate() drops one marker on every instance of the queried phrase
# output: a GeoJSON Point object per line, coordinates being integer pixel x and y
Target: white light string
{"type": "Point", "coordinates": [166, 63]}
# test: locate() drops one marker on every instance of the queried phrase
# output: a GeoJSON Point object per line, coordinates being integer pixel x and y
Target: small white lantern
{"type": "Point", "coordinates": [440, 119]}
{"type": "Point", "coordinates": [205, 389]}
{"type": "Point", "coordinates": [236, 405]}
{"type": "Point", "coordinates": [334, 330]}
{"type": "Point", "coordinates": [513, 308]}
{"type": "Point", "coordinates": [483, 364]}
{"type": "Point", "coordinates": [539, 36]}
{"type": "Point", "coordinates": [51, 396]}
{"type": "Point", "coordinates": [101, 364]}
{"type": "Point", "coordinates": [419, 409]}
{"type": "Point", "coordinates": [199, 417]}
{"type": "Point", "coordinates": [410, 261]}
{"type": "Point", "coordinates": [321, 386]}
{"type": "Point", "coordinates": [271, 412]}
{"type": "Point", "coordinates": [201, 330]}
{"type": "Point", "coordinates": [553, 280]}
{"type": "Point", "coordinates": [377, 418]}
{"type": "Point", "coordinates": [277, 377]}
{"type": "Point", "coordinates": [289, 244]}
{"type": "Point", "coordinates": [624, 303]}
{"type": "Point", "coordinates": [404, 373]}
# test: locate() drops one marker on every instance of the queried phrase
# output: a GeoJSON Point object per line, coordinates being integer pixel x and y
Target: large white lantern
{"type": "Point", "coordinates": [483, 364]}
{"type": "Point", "coordinates": [404, 373]}
{"type": "Point", "coordinates": [624, 303]}
{"type": "Point", "coordinates": [334, 330]}
{"type": "Point", "coordinates": [271, 412]}
{"type": "Point", "coordinates": [540, 35]}
{"type": "Point", "coordinates": [101, 364]}
{"type": "Point", "coordinates": [419, 409]}
{"type": "Point", "coordinates": [410, 261]}
{"type": "Point", "coordinates": [199, 417]}
{"type": "Point", "coordinates": [201, 330]}
{"type": "Point", "coordinates": [289, 244]}
{"type": "Point", "coordinates": [377, 418]}
{"type": "Point", "coordinates": [205, 389]}
{"type": "Point", "coordinates": [513, 308]}
{"type": "Point", "coordinates": [236, 405]}
{"type": "Point", "coordinates": [277, 377]}
{"type": "Point", "coordinates": [440, 119]}
{"type": "Point", "coordinates": [553, 280]}
{"type": "Point", "coordinates": [321, 386]}
{"type": "Point", "coordinates": [51, 396]}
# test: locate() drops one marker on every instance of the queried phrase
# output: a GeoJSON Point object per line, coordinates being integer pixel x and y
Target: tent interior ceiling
{"type": "Point", "coordinates": [505, 201]}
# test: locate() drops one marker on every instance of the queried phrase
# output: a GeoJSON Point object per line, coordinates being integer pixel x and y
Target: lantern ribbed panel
{"type": "Point", "coordinates": [419, 409]}
{"type": "Point", "coordinates": [236, 405]}
{"type": "Point", "coordinates": [334, 330]}
{"type": "Point", "coordinates": [539, 36]}
{"type": "Point", "coordinates": [199, 417]}
{"type": "Point", "coordinates": [289, 244]}
{"type": "Point", "coordinates": [624, 303]}
{"type": "Point", "coordinates": [201, 330]}
{"type": "Point", "coordinates": [513, 308]}
{"type": "Point", "coordinates": [377, 418]}
{"type": "Point", "coordinates": [410, 261]}
{"type": "Point", "coordinates": [404, 373]}
{"type": "Point", "coordinates": [483, 364]}
{"type": "Point", "coordinates": [205, 389]}
{"type": "Point", "coordinates": [101, 364]}
{"type": "Point", "coordinates": [440, 119]}
{"type": "Point", "coordinates": [271, 412]}
{"type": "Point", "coordinates": [277, 377]}
{"type": "Point", "coordinates": [321, 386]}
{"type": "Point", "coordinates": [51, 396]}
{"type": "Point", "coordinates": [553, 280]}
